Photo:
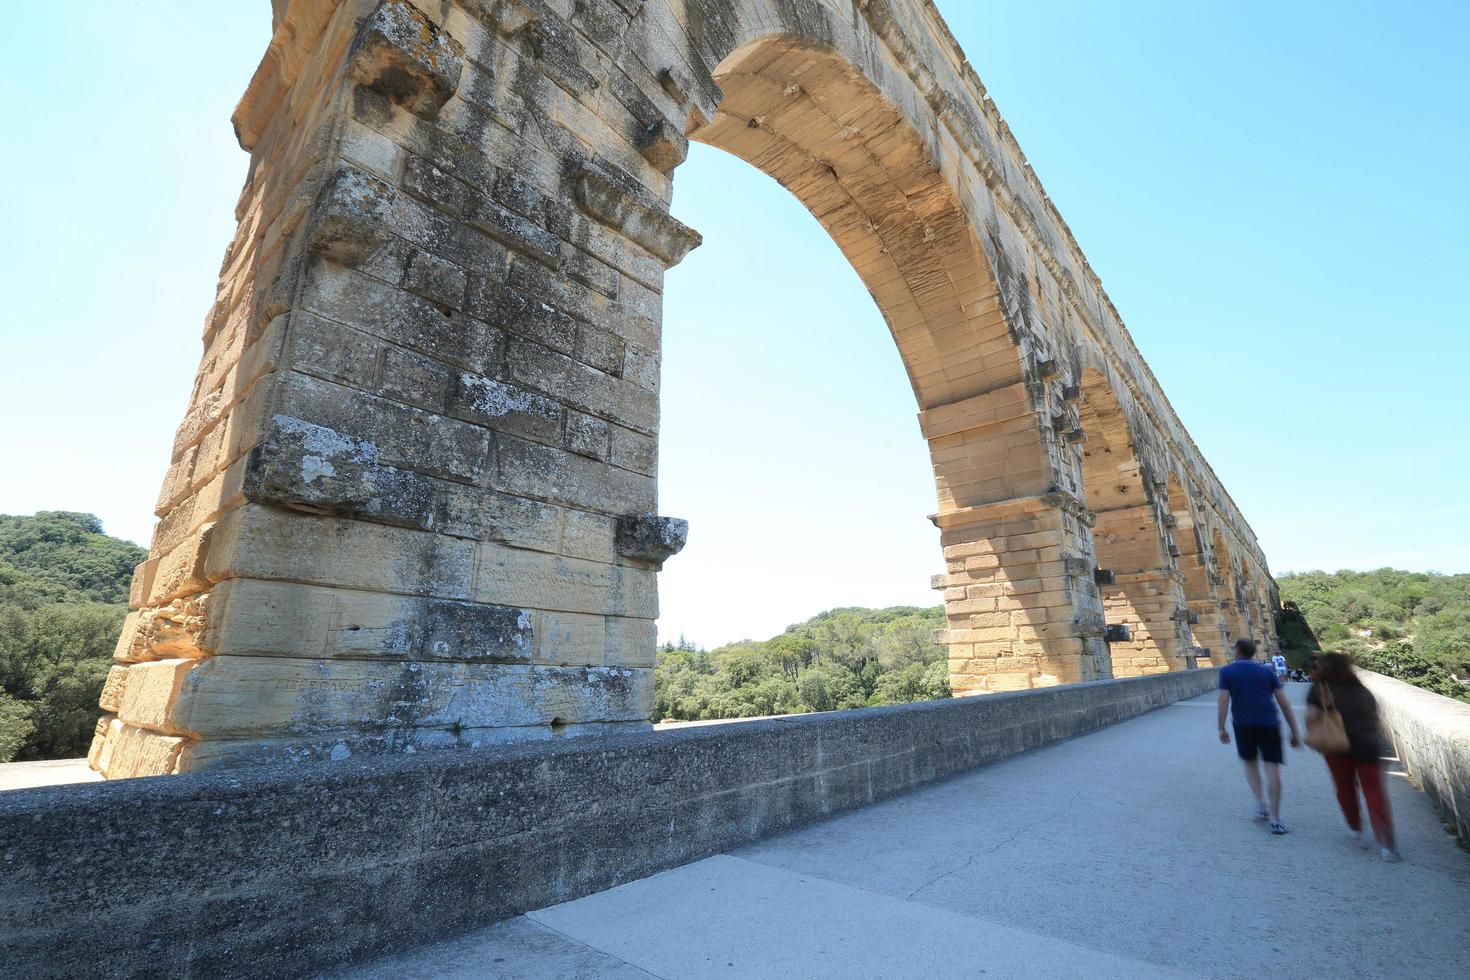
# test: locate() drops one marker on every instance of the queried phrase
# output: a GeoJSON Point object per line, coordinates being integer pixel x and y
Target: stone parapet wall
{"type": "Point", "coordinates": [1431, 734]}
{"type": "Point", "coordinates": [285, 870]}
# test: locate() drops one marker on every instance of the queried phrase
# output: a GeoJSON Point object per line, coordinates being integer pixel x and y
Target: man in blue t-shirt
{"type": "Point", "coordinates": [1250, 691]}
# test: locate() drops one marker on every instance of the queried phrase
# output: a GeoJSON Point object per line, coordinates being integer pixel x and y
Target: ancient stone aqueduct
{"type": "Point", "coordinates": [412, 503]}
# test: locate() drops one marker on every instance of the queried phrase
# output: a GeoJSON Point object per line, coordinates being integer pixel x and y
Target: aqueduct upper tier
{"type": "Point", "coordinates": [413, 501]}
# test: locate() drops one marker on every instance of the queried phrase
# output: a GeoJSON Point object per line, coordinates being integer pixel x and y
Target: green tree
{"type": "Point", "coordinates": [63, 593]}
{"type": "Point", "coordinates": [15, 726]}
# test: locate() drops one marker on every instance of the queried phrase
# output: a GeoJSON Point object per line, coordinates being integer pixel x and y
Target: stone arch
{"type": "Point", "coordinates": [807, 117]}
{"type": "Point", "coordinates": [413, 502]}
{"type": "Point", "coordinates": [1230, 589]}
{"type": "Point", "coordinates": [1139, 585]}
{"type": "Point", "coordinates": [1185, 519]}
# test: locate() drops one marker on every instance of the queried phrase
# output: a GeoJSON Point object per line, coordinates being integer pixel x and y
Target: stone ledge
{"type": "Point", "coordinates": [287, 870]}
{"type": "Point", "coordinates": [1432, 736]}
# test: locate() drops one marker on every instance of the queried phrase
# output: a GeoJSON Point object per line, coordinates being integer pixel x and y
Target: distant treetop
{"type": "Point", "coordinates": [57, 556]}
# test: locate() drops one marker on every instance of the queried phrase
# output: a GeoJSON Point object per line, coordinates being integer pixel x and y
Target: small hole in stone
{"type": "Point", "coordinates": [558, 726]}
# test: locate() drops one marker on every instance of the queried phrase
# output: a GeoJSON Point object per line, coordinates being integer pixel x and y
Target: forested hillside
{"type": "Point", "coordinates": [1410, 625]}
{"type": "Point", "coordinates": [63, 596]}
{"type": "Point", "coordinates": [844, 658]}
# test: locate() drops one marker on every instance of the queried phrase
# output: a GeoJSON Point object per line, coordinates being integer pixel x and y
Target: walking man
{"type": "Point", "coordinates": [1250, 691]}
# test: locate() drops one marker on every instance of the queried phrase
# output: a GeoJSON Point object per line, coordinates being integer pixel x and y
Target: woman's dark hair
{"type": "Point", "coordinates": [1337, 668]}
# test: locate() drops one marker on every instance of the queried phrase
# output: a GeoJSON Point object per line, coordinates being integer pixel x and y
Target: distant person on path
{"type": "Point", "coordinates": [1360, 767]}
{"type": "Point", "coordinates": [1278, 663]}
{"type": "Point", "coordinates": [1250, 692]}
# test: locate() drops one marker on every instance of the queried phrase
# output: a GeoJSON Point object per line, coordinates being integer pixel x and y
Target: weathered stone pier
{"type": "Point", "coordinates": [413, 502]}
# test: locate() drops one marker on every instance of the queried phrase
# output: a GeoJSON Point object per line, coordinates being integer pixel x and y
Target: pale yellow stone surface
{"type": "Point", "coordinates": [430, 383]}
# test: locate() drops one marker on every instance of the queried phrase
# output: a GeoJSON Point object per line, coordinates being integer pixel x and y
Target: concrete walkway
{"type": "Point", "coordinates": [1127, 853]}
{"type": "Point", "coordinates": [52, 772]}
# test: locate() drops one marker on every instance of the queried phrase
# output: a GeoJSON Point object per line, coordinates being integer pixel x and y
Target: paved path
{"type": "Point", "coordinates": [53, 772]}
{"type": "Point", "coordinates": [1126, 853]}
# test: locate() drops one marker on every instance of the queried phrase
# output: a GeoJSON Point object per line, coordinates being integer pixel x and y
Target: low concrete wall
{"type": "Point", "coordinates": [1431, 734]}
{"type": "Point", "coordinates": [278, 871]}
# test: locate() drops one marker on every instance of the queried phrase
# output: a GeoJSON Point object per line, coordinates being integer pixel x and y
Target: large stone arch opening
{"type": "Point", "coordinates": [810, 119]}
{"type": "Point", "coordinates": [1231, 591]}
{"type": "Point", "coordinates": [1137, 580]}
{"type": "Point", "coordinates": [1206, 628]}
{"type": "Point", "coordinates": [413, 502]}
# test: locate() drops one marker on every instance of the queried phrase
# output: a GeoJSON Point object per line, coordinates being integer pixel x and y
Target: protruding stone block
{"type": "Point", "coordinates": [349, 222]}
{"type": "Point", "coordinates": [611, 204]}
{"type": "Point", "coordinates": [1076, 566]}
{"type": "Point", "coordinates": [311, 467]}
{"type": "Point", "coordinates": [651, 538]}
{"type": "Point", "coordinates": [404, 56]}
{"type": "Point", "coordinates": [663, 146]}
{"type": "Point", "coordinates": [675, 84]}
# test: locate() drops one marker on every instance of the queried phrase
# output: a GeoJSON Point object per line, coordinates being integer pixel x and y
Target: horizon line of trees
{"type": "Point", "coordinates": [63, 596]}
{"type": "Point", "coordinates": [1414, 626]}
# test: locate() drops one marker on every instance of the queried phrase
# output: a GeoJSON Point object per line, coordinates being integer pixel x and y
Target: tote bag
{"type": "Point", "coordinates": [1327, 733]}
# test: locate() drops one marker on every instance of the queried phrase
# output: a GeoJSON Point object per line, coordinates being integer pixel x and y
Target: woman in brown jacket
{"type": "Point", "coordinates": [1360, 766]}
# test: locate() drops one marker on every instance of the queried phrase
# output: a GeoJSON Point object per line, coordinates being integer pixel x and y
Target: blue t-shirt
{"type": "Point", "coordinates": [1252, 686]}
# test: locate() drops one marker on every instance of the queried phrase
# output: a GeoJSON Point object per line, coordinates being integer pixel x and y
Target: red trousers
{"type": "Point", "coordinates": [1348, 774]}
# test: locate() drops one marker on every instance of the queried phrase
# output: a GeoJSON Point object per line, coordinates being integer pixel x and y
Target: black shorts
{"type": "Point", "coordinates": [1262, 740]}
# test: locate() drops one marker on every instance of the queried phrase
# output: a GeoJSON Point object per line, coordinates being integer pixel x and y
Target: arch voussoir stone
{"type": "Point", "coordinates": [413, 502]}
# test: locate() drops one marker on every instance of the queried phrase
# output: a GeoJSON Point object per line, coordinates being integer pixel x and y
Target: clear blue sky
{"type": "Point", "coordinates": [1274, 195]}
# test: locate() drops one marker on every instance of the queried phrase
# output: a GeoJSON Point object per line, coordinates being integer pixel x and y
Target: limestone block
{"type": "Point", "coordinates": [99, 741]}
{"type": "Point", "coordinates": [242, 697]}
{"type": "Point", "coordinates": [633, 451]}
{"type": "Point", "coordinates": [1010, 681]}
{"type": "Point", "coordinates": [620, 206]}
{"type": "Point", "coordinates": [630, 642]}
{"type": "Point", "coordinates": [600, 349]}
{"type": "Point", "coordinates": [250, 617]}
{"type": "Point", "coordinates": [133, 751]}
{"type": "Point", "coordinates": [534, 580]}
{"type": "Point", "coordinates": [513, 231]}
{"type": "Point", "coordinates": [651, 538]}
{"type": "Point", "coordinates": [565, 639]}
{"type": "Point", "coordinates": [496, 303]}
{"type": "Point", "coordinates": [530, 469]}
{"type": "Point", "coordinates": [489, 516]}
{"type": "Point", "coordinates": [402, 55]}
{"type": "Point", "coordinates": [262, 542]}
{"type": "Point", "coordinates": [436, 279]}
{"type": "Point", "coordinates": [403, 437]}
{"type": "Point", "coordinates": [112, 689]}
{"type": "Point", "coordinates": [349, 221]}
{"type": "Point", "coordinates": [588, 536]}
{"type": "Point", "coordinates": [312, 467]}
{"type": "Point", "coordinates": [148, 693]}
{"type": "Point", "coordinates": [582, 386]}
{"type": "Point", "coordinates": [587, 435]}
{"type": "Point", "coordinates": [395, 315]}
{"type": "Point", "coordinates": [506, 408]}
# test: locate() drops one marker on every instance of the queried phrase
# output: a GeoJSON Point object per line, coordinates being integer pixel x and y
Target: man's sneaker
{"type": "Point", "coordinates": [1278, 826]}
{"type": "Point", "coordinates": [1390, 855]}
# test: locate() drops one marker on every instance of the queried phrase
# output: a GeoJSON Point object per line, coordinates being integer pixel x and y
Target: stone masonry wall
{"type": "Point", "coordinates": [413, 502]}
{"type": "Point", "coordinates": [291, 870]}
